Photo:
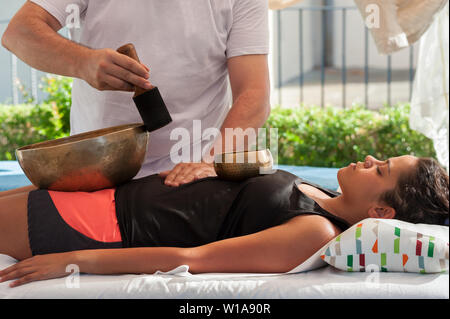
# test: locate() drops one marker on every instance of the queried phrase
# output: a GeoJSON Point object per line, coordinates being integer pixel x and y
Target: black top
{"type": "Point", "coordinates": [151, 213]}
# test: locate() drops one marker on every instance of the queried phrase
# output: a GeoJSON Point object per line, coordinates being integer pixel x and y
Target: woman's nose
{"type": "Point", "coordinates": [370, 160]}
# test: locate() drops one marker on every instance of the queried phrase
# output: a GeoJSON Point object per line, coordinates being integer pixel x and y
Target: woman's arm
{"type": "Point", "coordinates": [18, 190]}
{"type": "Point", "coordinates": [275, 250]}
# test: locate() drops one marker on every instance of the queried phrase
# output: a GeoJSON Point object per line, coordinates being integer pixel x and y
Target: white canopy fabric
{"type": "Point", "coordinates": [429, 104]}
{"type": "Point", "coordinates": [401, 22]}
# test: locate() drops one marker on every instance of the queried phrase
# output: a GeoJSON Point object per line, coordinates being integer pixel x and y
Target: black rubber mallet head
{"type": "Point", "coordinates": [149, 103]}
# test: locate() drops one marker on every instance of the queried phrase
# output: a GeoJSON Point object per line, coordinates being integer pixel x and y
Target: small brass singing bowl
{"type": "Point", "coordinates": [237, 166]}
{"type": "Point", "coordinates": [88, 161]}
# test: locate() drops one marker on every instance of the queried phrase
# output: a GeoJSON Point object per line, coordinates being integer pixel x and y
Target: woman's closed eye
{"type": "Point", "coordinates": [379, 171]}
{"type": "Point", "coordinates": [386, 165]}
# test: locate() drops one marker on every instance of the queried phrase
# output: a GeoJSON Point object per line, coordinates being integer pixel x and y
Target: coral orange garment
{"type": "Point", "coordinates": [91, 213]}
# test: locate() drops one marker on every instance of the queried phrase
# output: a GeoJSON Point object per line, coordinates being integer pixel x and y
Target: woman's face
{"type": "Point", "coordinates": [362, 183]}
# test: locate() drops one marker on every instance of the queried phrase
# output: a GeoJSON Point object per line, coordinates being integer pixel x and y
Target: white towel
{"type": "Point", "coordinates": [429, 104]}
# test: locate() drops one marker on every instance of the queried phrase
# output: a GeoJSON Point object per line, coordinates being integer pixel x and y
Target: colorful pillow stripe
{"type": "Point", "coordinates": [389, 245]}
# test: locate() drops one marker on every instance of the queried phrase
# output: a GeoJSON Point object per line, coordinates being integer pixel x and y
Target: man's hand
{"type": "Point", "coordinates": [106, 69]}
{"type": "Point", "coordinates": [184, 173]}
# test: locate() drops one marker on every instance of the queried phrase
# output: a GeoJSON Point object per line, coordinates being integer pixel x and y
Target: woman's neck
{"type": "Point", "coordinates": [334, 205]}
{"type": "Point", "coordinates": [339, 208]}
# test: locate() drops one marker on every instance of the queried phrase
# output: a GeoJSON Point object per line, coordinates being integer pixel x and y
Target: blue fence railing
{"type": "Point", "coordinates": [325, 12]}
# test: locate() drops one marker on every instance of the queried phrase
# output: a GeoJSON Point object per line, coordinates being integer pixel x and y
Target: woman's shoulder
{"type": "Point", "coordinates": [319, 226]}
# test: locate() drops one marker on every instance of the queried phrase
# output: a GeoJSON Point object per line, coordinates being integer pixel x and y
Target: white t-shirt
{"type": "Point", "coordinates": [185, 44]}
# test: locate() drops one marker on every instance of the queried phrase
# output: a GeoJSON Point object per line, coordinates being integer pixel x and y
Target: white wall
{"type": "Point", "coordinates": [355, 42]}
{"type": "Point", "coordinates": [7, 10]}
{"type": "Point", "coordinates": [290, 40]}
{"type": "Point", "coordinates": [25, 74]}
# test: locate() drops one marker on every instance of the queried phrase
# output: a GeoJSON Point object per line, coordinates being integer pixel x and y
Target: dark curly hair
{"type": "Point", "coordinates": [422, 196]}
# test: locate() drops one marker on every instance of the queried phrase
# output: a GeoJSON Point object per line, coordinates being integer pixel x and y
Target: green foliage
{"type": "Point", "coordinates": [30, 123]}
{"type": "Point", "coordinates": [21, 125]}
{"type": "Point", "coordinates": [59, 90]}
{"type": "Point", "coordinates": [334, 137]}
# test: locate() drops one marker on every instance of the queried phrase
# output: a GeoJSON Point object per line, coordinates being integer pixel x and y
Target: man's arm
{"type": "Point", "coordinates": [250, 85]}
{"type": "Point", "coordinates": [32, 36]}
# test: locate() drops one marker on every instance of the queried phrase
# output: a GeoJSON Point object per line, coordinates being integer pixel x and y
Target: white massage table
{"type": "Point", "coordinates": [323, 283]}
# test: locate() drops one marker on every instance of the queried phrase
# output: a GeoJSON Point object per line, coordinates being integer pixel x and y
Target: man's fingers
{"type": "Point", "coordinates": [165, 173]}
{"type": "Point", "coordinates": [113, 83]}
{"type": "Point", "coordinates": [173, 174]}
{"type": "Point", "coordinates": [186, 175]}
{"type": "Point", "coordinates": [202, 175]}
{"type": "Point", "coordinates": [127, 76]}
{"type": "Point", "coordinates": [131, 65]}
{"type": "Point", "coordinates": [103, 86]}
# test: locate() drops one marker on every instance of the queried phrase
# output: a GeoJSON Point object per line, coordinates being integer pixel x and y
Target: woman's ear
{"type": "Point", "coordinates": [381, 212]}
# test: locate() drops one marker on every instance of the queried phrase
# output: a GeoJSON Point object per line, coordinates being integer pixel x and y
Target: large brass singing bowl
{"type": "Point", "coordinates": [87, 162]}
{"type": "Point", "coordinates": [237, 166]}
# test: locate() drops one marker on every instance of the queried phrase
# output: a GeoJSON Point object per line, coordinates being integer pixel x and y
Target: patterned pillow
{"type": "Point", "coordinates": [389, 245]}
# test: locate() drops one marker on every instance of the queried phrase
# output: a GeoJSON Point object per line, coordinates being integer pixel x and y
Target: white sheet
{"type": "Point", "coordinates": [324, 283]}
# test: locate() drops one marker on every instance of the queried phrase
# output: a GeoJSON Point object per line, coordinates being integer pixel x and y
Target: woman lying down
{"type": "Point", "coordinates": [266, 224]}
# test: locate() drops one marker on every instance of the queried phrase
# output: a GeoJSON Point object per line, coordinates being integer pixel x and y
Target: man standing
{"type": "Point", "coordinates": [193, 51]}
